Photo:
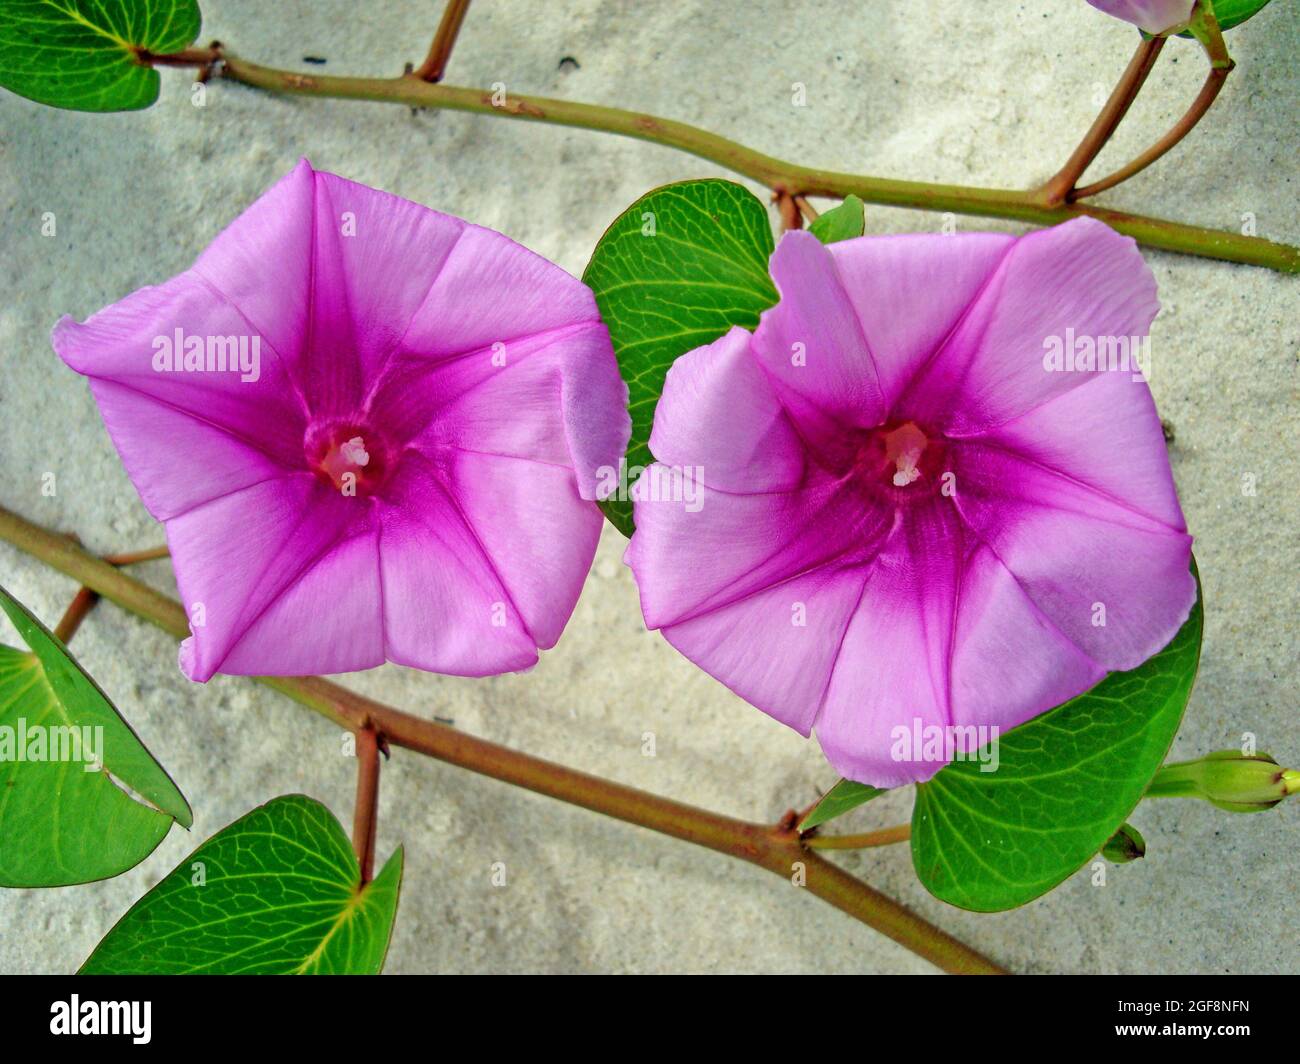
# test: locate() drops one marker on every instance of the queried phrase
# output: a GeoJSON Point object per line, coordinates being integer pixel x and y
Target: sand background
{"type": "Point", "coordinates": [949, 90]}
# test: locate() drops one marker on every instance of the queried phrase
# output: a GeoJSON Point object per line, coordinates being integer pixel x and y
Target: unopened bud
{"type": "Point", "coordinates": [1127, 844]}
{"type": "Point", "coordinates": [1239, 783]}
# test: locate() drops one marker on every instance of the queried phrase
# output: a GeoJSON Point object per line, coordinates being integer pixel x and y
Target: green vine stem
{"type": "Point", "coordinates": [777, 848]}
{"type": "Point", "coordinates": [784, 178]}
{"type": "Point", "coordinates": [880, 837]}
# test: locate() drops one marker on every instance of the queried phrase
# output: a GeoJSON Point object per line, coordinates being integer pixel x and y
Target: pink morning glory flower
{"type": "Point", "coordinates": [371, 430]}
{"type": "Point", "coordinates": [1153, 16]}
{"type": "Point", "coordinates": [928, 497]}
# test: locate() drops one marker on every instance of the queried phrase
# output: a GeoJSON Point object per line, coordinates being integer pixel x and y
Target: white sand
{"type": "Point", "coordinates": [942, 90]}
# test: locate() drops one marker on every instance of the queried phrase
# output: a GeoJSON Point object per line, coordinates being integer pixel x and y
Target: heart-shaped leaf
{"type": "Point", "coordinates": [675, 271]}
{"type": "Point", "coordinates": [844, 222]}
{"type": "Point", "coordinates": [82, 54]}
{"type": "Point", "coordinates": [63, 820]}
{"type": "Point", "coordinates": [1065, 781]}
{"type": "Point", "coordinates": [278, 892]}
{"type": "Point", "coordinates": [844, 796]}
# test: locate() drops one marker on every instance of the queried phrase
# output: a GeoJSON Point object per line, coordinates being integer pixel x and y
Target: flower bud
{"type": "Point", "coordinates": [1239, 783]}
{"type": "Point", "coordinates": [1127, 844]}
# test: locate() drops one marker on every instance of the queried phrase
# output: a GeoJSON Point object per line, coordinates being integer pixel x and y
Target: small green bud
{"type": "Point", "coordinates": [1127, 844]}
{"type": "Point", "coordinates": [1233, 781]}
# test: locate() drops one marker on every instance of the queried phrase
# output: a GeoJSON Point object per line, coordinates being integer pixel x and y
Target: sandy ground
{"type": "Point", "coordinates": [985, 94]}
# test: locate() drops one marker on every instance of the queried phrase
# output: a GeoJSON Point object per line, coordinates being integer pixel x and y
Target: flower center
{"type": "Point", "coordinates": [904, 447]}
{"type": "Point", "coordinates": [352, 458]}
{"type": "Point", "coordinates": [900, 460]}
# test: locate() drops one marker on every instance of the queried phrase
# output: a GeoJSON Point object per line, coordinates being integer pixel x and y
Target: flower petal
{"type": "Point", "coordinates": [1104, 434]}
{"type": "Point", "coordinates": [1154, 16]}
{"type": "Point", "coordinates": [262, 263]}
{"type": "Point", "coordinates": [479, 399]}
{"type": "Point", "coordinates": [168, 484]}
{"type": "Point", "coordinates": [538, 532]}
{"type": "Point", "coordinates": [1081, 278]}
{"type": "Point", "coordinates": [1113, 580]}
{"type": "Point", "coordinates": [697, 549]}
{"type": "Point", "coordinates": [553, 397]}
{"type": "Point", "coordinates": [241, 428]}
{"type": "Point", "coordinates": [594, 400]}
{"type": "Point", "coordinates": [718, 408]}
{"type": "Point", "coordinates": [893, 664]}
{"type": "Point", "coordinates": [945, 643]}
{"type": "Point", "coordinates": [1009, 662]}
{"type": "Point", "coordinates": [376, 258]}
{"type": "Point", "coordinates": [811, 345]}
{"type": "Point", "coordinates": [776, 647]}
{"type": "Point", "coordinates": [445, 607]}
{"type": "Point", "coordinates": [467, 309]}
{"type": "Point", "coordinates": [278, 578]}
{"type": "Point", "coordinates": [495, 295]}
{"type": "Point", "coordinates": [327, 620]}
{"type": "Point", "coordinates": [332, 272]}
{"type": "Point", "coordinates": [909, 291]}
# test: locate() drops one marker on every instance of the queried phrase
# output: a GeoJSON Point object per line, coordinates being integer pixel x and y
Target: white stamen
{"type": "Point", "coordinates": [904, 447]}
{"type": "Point", "coordinates": [907, 471]}
{"type": "Point", "coordinates": [354, 452]}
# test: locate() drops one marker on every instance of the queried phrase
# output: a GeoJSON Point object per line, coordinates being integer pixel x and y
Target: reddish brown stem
{"type": "Point", "coordinates": [365, 819]}
{"type": "Point", "coordinates": [778, 848]}
{"type": "Point", "coordinates": [435, 63]}
{"type": "Point", "coordinates": [84, 601]}
{"type": "Point", "coordinates": [134, 556]}
{"type": "Point", "coordinates": [1214, 82]}
{"type": "Point", "coordinates": [1057, 190]}
{"type": "Point", "coordinates": [791, 218]}
{"type": "Point", "coordinates": [206, 59]}
{"type": "Point", "coordinates": [78, 608]}
{"type": "Point", "coordinates": [184, 58]}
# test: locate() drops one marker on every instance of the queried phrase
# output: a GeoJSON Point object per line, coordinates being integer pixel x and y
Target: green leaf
{"type": "Point", "coordinates": [1233, 13]}
{"type": "Point", "coordinates": [844, 796]}
{"type": "Point", "coordinates": [675, 271]}
{"type": "Point", "coordinates": [844, 222]}
{"type": "Point", "coordinates": [276, 893]}
{"type": "Point", "coordinates": [1064, 784]}
{"type": "Point", "coordinates": [63, 821]}
{"type": "Point", "coordinates": [81, 54]}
